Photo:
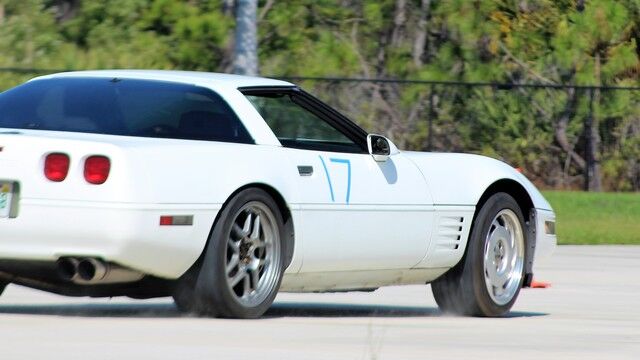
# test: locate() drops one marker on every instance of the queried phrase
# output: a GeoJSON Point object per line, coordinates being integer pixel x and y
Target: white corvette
{"type": "Point", "coordinates": [222, 190]}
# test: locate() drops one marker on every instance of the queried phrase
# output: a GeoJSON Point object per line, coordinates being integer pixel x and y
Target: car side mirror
{"type": "Point", "coordinates": [379, 147]}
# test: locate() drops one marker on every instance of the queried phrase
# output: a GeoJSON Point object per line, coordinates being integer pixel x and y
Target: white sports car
{"type": "Point", "coordinates": [222, 190]}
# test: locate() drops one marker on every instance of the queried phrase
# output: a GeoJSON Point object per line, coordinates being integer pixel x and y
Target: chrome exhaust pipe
{"type": "Point", "coordinates": [87, 271]}
{"type": "Point", "coordinates": [91, 269]}
{"type": "Point", "coordinates": [68, 268]}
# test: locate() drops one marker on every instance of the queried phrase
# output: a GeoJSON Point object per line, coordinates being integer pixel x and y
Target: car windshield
{"type": "Point", "coordinates": [121, 107]}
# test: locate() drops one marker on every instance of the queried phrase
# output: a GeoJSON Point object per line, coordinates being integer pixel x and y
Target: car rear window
{"type": "Point", "coordinates": [127, 107]}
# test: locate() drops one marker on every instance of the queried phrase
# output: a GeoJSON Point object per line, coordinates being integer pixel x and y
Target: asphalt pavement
{"type": "Point", "coordinates": [591, 311]}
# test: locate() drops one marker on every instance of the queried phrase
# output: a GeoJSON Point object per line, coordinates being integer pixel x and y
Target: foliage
{"type": "Point", "coordinates": [507, 41]}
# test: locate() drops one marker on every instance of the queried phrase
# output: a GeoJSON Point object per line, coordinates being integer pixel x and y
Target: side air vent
{"type": "Point", "coordinates": [449, 232]}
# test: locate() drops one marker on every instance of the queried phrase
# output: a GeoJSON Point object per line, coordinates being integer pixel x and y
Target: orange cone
{"type": "Point", "coordinates": [540, 285]}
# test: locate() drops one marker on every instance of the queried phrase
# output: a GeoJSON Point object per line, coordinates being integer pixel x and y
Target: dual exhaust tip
{"type": "Point", "coordinates": [85, 270]}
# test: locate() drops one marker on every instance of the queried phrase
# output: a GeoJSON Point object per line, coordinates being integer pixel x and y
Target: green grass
{"type": "Point", "coordinates": [596, 218]}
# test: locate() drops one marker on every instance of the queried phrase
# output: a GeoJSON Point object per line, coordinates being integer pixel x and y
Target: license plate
{"type": "Point", "coordinates": [6, 195]}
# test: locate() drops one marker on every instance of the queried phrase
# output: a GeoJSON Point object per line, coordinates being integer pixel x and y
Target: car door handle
{"type": "Point", "coordinates": [304, 170]}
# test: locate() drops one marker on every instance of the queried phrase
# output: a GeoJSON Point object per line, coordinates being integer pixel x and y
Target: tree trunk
{"type": "Point", "coordinates": [593, 136]}
{"type": "Point", "coordinates": [561, 125]}
{"type": "Point", "coordinates": [246, 40]}
{"type": "Point", "coordinates": [66, 9]}
{"type": "Point", "coordinates": [420, 39]}
{"type": "Point", "coordinates": [227, 7]}
{"type": "Point", "coordinates": [399, 22]}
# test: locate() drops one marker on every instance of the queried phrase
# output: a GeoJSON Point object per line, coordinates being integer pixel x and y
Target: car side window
{"type": "Point", "coordinates": [296, 126]}
{"type": "Point", "coordinates": [130, 107]}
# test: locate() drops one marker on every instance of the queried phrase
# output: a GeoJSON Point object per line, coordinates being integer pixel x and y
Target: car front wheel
{"type": "Point", "coordinates": [488, 280]}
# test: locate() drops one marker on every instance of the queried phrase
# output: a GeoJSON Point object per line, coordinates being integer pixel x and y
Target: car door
{"type": "Point", "coordinates": [357, 213]}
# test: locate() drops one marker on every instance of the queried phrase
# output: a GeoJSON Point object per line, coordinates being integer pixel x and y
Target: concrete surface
{"type": "Point", "coordinates": [592, 311]}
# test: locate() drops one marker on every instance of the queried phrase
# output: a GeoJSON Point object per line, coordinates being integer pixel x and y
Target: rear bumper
{"type": "Point", "coordinates": [546, 240]}
{"type": "Point", "coordinates": [127, 234]}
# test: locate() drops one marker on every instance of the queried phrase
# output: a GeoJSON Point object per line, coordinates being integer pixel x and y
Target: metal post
{"type": "Point", "coordinates": [246, 46]}
{"type": "Point", "coordinates": [588, 138]}
{"type": "Point", "coordinates": [431, 114]}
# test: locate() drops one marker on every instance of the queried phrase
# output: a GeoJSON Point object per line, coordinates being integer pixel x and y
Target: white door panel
{"type": "Point", "coordinates": [359, 214]}
{"type": "Point", "coordinates": [339, 238]}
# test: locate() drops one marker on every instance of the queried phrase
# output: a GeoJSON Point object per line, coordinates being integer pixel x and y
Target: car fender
{"type": "Point", "coordinates": [462, 179]}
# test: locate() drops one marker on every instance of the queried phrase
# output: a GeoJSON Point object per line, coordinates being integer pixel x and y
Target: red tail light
{"type": "Point", "coordinates": [56, 166]}
{"type": "Point", "coordinates": [96, 169]}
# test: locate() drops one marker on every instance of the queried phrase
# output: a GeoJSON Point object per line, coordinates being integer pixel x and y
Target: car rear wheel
{"type": "Point", "coordinates": [242, 267]}
{"type": "Point", "coordinates": [488, 280]}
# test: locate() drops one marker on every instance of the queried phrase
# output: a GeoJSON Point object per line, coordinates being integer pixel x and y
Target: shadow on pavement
{"type": "Point", "coordinates": [278, 310]}
{"type": "Point", "coordinates": [348, 310]}
{"type": "Point", "coordinates": [146, 310]}
{"type": "Point", "coordinates": [356, 310]}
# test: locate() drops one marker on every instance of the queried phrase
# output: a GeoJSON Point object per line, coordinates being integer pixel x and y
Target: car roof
{"type": "Point", "coordinates": [190, 77]}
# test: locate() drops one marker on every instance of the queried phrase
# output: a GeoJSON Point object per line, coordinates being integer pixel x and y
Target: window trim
{"type": "Point", "coordinates": [320, 109]}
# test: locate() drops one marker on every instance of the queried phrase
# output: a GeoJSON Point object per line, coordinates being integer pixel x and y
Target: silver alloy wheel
{"type": "Point", "coordinates": [504, 257]}
{"type": "Point", "coordinates": [253, 254]}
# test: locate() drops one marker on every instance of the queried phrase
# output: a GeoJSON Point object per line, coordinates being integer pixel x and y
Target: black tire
{"type": "Point", "coordinates": [205, 289]}
{"type": "Point", "coordinates": [463, 290]}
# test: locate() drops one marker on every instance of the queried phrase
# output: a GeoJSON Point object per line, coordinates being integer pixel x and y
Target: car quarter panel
{"type": "Point", "coordinates": [462, 179]}
{"type": "Point", "coordinates": [128, 234]}
{"type": "Point", "coordinates": [119, 220]}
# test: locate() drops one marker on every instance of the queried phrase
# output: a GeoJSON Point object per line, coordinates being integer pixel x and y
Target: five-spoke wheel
{"type": "Point", "coordinates": [240, 272]}
{"type": "Point", "coordinates": [504, 257]}
{"type": "Point", "coordinates": [253, 252]}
